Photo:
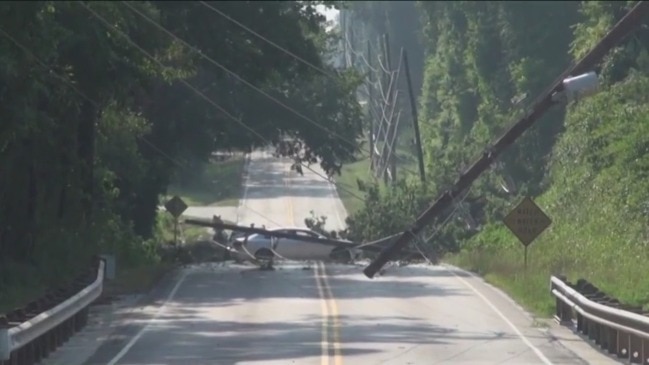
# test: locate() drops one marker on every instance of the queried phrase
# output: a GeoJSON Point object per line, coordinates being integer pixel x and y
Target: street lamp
{"type": "Point", "coordinates": [577, 87]}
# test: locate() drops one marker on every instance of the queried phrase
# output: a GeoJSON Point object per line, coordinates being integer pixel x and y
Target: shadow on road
{"type": "Point", "coordinates": [204, 325]}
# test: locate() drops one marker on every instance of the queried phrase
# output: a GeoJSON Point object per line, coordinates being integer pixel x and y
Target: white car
{"type": "Point", "coordinates": [264, 247]}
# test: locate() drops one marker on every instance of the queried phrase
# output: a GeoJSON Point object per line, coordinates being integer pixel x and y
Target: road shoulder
{"type": "Point", "coordinates": [109, 325]}
{"type": "Point", "coordinates": [562, 341]}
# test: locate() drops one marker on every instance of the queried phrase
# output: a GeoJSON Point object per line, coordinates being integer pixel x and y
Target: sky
{"type": "Point", "coordinates": [330, 14]}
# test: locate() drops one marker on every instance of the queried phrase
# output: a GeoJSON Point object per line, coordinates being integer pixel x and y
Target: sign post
{"type": "Point", "coordinates": [176, 206]}
{"type": "Point", "coordinates": [527, 221]}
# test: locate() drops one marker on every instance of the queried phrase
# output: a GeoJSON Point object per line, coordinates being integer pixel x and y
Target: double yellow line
{"type": "Point", "coordinates": [330, 319]}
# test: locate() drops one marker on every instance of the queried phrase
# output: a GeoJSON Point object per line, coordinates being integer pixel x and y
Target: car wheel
{"type": "Point", "coordinates": [341, 254]}
{"type": "Point", "coordinates": [264, 254]}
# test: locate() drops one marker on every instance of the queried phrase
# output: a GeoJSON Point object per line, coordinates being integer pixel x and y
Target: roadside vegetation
{"type": "Point", "coordinates": [217, 182]}
{"type": "Point", "coordinates": [347, 184]}
{"type": "Point", "coordinates": [584, 164]}
{"type": "Point", "coordinates": [104, 114]}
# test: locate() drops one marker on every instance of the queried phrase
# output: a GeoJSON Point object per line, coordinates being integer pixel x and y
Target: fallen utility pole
{"type": "Point", "coordinates": [369, 246]}
{"type": "Point", "coordinates": [541, 105]}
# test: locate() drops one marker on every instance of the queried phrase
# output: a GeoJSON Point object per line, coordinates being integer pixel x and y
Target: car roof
{"type": "Point", "coordinates": [289, 228]}
{"type": "Point", "coordinates": [292, 228]}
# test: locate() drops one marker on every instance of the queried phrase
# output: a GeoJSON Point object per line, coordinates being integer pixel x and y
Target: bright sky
{"type": "Point", "coordinates": [330, 14]}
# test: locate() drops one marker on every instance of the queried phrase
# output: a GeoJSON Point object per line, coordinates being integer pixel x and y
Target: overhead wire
{"type": "Point", "coordinates": [439, 227]}
{"type": "Point", "coordinates": [95, 103]}
{"type": "Point", "coordinates": [204, 97]}
{"type": "Point", "coordinates": [79, 92]}
{"type": "Point", "coordinates": [247, 83]}
{"type": "Point", "coordinates": [228, 17]}
{"type": "Point", "coordinates": [360, 55]}
{"type": "Point", "coordinates": [237, 76]}
{"type": "Point", "coordinates": [238, 120]}
{"type": "Point", "coordinates": [349, 46]}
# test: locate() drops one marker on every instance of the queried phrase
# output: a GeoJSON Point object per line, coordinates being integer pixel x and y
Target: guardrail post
{"type": "Point", "coordinates": [563, 313]}
{"type": "Point", "coordinates": [623, 345]}
{"type": "Point", "coordinates": [635, 349]}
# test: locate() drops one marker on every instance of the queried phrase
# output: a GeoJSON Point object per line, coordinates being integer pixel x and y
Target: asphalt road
{"type": "Point", "coordinates": [328, 314]}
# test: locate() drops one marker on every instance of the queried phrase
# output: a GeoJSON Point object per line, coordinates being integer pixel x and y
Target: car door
{"type": "Point", "coordinates": [286, 247]}
{"type": "Point", "coordinates": [293, 249]}
{"type": "Point", "coordinates": [313, 250]}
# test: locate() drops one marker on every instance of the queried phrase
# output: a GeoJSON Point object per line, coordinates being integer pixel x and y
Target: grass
{"type": "Point", "coordinates": [218, 184]}
{"type": "Point", "coordinates": [137, 279]}
{"type": "Point", "coordinates": [348, 188]}
{"type": "Point", "coordinates": [359, 170]}
{"type": "Point", "coordinates": [505, 270]}
{"type": "Point", "coordinates": [188, 232]}
{"type": "Point", "coordinates": [585, 241]}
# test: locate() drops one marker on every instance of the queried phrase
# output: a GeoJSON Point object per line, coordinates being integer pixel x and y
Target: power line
{"type": "Point", "coordinates": [228, 17]}
{"type": "Point", "coordinates": [202, 95]}
{"type": "Point", "coordinates": [238, 77]}
{"type": "Point", "coordinates": [79, 92]}
{"type": "Point", "coordinates": [96, 104]}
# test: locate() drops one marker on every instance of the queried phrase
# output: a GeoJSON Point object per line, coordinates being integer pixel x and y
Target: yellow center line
{"type": "Point", "coordinates": [335, 317]}
{"type": "Point", "coordinates": [324, 343]}
{"type": "Point", "coordinates": [327, 304]}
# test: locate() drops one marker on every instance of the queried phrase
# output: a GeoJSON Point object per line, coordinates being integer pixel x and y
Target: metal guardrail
{"type": "Point", "coordinates": [617, 328]}
{"type": "Point", "coordinates": [29, 334]}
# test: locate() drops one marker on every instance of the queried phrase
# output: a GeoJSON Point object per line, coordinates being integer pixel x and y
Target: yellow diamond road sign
{"type": "Point", "coordinates": [527, 221]}
{"type": "Point", "coordinates": [176, 206]}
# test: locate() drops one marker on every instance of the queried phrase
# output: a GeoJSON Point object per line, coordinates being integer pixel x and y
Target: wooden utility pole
{"type": "Point", "coordinates": [415, 119]}
{"type": "Point", "coordinates": [541, 105]}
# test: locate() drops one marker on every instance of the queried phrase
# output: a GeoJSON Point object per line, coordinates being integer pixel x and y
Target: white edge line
{"type": "Point", "coordinates": [496, 290]}
{"type": "Point", "coordinates": [130, 344]}
{"type": "Point", "coordinates": [527, 342]}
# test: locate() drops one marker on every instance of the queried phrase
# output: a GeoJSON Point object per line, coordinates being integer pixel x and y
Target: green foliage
{"type": "Point", "coordinates": [212, 183]}
{"type": "Point", "coordinates": [585, 167]}
{"type": "Point", "coordinates": [98, 119]}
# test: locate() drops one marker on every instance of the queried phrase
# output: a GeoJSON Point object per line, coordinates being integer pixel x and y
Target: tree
{"type": "Point", "coordinates": [98, 115]}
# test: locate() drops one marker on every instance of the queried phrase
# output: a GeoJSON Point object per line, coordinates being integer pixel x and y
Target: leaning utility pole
{"type": "Point", "coordinates": [491, 153]}
{"type": "Point", "coordinates": [415, 119]}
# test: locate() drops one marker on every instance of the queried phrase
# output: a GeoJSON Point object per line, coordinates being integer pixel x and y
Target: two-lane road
{"type": "Point", "coordinates": [235, 314]}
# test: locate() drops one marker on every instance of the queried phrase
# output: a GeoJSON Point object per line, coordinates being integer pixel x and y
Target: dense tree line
{"type": "Point", "coordinates": [484, 63]}
{"type": "Point", "coordinates": [103, 102]}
